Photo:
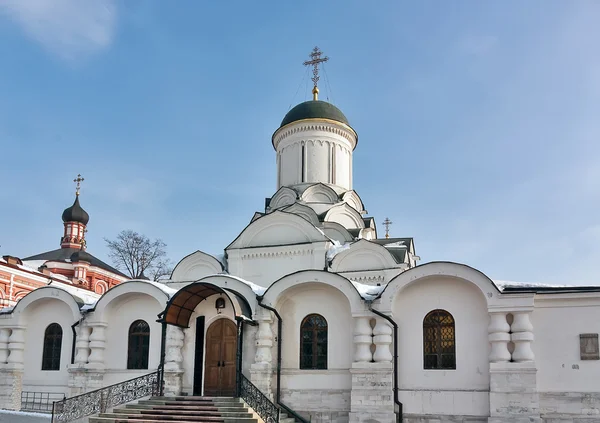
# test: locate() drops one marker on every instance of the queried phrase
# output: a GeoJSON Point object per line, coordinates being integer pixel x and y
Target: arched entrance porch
{"type": "Point", "coordinates": [217, 345]}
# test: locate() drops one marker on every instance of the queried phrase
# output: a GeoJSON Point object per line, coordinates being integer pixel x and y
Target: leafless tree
{"type": "Point", "coordinates": [138, 256]}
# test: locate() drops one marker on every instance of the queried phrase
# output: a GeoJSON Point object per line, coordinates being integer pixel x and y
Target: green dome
{"type": "Point", "coordinates": [314, 109]}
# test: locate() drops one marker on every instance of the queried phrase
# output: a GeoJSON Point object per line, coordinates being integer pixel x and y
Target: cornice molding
{"type": "Point", "coordinates": [325, 125]}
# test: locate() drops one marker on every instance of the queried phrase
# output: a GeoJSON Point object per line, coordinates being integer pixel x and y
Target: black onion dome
{"type": "Point", "coordinates": [75, 213]}
{"type": "Point", "coordinates": [314, 109]}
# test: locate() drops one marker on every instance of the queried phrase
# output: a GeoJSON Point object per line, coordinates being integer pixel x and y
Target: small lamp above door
{"type": "Point", "coordinates": [220, 304]}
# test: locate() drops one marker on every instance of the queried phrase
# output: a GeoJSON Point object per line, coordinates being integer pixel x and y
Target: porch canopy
{"type": "Point", "coordinates": [181, 305]}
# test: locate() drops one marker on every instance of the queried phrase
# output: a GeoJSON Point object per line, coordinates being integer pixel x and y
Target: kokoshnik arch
{"type": "Point", "coordinates": [321, 314]}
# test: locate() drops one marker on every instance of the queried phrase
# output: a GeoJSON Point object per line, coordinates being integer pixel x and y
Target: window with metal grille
{"type": "Point", "coordinates": [439, 346]}
{"type": "Point", "coordinates": [139, 345]}
{"type": "Point", "coordinates": [52, 347]}
{"type": "Point", "coordinates": [313, 342]}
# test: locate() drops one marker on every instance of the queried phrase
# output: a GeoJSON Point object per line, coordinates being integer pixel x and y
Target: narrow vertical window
{"type": "Point", "coordinates": [139, 345]}
{"type": "Point", "coordinates": [52, 347]}
{"type": "Point", "coordinates": [313, 342]}
{"type": "Point", "coordinates": [439, 346]}
{"type": "Point", "coordinates": [302, 170]}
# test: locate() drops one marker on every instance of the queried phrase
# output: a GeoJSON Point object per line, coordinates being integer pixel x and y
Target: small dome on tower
{"type": "Point", "coordinates": [314, 109]}
{"type": "Point", "coordinates": [75, 213]}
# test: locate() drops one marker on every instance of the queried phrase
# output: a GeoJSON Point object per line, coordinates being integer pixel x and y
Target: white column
{"type": "Point", "coordinates": [97, 346]}
{"type": "Point", "coordinates": [499, 337]}
{"type": "Point", "coordinates": [82, 346]}
{"type": "Point", "coordinates": [382, 338]}
{"type": "Point", "coordinates": [4, 336]}
{"type": "Point", "coordinates": [16, 346]}
{"type": "Point", "coordinates": [363, 339]}
{"type": "Point", "coordinates": [522, 337]}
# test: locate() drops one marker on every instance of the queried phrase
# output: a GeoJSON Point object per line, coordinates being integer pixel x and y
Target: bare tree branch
{"type": "Point", "coordinates": [138, 256]}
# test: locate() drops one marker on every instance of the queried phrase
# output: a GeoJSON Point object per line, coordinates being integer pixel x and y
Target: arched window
{"type": "Point", "coordinates": [139, 345]}
{"type": "Point", "coordinates": [439, 349]}
{"type": "Point", "coordinates": [313, 342]}
{"type": "Point", "coordinates": [52, 346]}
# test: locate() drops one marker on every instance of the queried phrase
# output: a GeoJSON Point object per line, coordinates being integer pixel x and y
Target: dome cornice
{"type": "Point", "coordinates": [315, 124]}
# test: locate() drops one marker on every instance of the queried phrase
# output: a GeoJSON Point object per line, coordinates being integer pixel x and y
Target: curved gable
{"type": "Point", "coordinates": [320, 193]}
{"type": "Point", "coordinates": [336, 231]}
{"type": "Point", "coordinates": [277, 228]}
{"type": "Point", "coordinates": [277, 288]}
{"type": "Point", "coordinates": [363, 255]}
{"type": "Point", "coordinates": [48, 293]}
{"type": "Point", "coordinates": [440, 269]}
{"type": "Point", "coordinates": [346, 216]}
{"type": "Point", "coordinates": [353, 200]}
{"type": "Point", "coordinates": [304, 212]}
{"type": "Point", "coordinates": [196, 266]}
{"type": "Point", "coordinates": [128, 288]}
{"type": "Point", "coordinates": [283, 197]}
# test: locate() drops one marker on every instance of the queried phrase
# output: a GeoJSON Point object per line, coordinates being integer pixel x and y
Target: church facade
{"type": "Point", "coordinates": [322, 315]}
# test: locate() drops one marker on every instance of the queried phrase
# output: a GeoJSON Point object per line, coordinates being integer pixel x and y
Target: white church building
{"type": "Point", "coordinates": [323, 315]}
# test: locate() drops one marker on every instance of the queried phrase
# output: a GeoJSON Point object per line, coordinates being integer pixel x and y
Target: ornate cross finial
{"type": "Point", "coordinates": [315, 60]}
{"type": "Point", "coordinates": [78, 181]}
{"type": "Point", "coordinates": [387, 222]}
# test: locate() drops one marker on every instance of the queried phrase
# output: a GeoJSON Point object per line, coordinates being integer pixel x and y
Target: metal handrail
{"type": "Point", "coordinates": [102, 399]}
{"type": "Point", "coordinates": [258, 401]}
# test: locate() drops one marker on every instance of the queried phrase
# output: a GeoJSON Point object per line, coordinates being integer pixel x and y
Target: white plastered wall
{"type": "Point", "coordinates": [464, 391]}
{"type": "Point", "coordinates": [120, 313]}
{"type": "Point", "coordinates": [558, 320]}
{"type": "Point", "coordinates": [294, 305]}
{"type": "Point", "coordinates": [37, 316]}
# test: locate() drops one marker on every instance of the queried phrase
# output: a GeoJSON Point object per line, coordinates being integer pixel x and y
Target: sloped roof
{"type": "Point", "coordinates": [66, 255]}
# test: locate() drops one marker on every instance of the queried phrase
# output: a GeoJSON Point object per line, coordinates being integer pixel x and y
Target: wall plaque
{"type": "Point", "coordinates": [588, 346]}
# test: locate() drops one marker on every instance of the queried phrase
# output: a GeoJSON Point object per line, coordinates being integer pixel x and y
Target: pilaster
{"type": "Point", "coordinates": [11, 386]}
{"type": "Point", "coordinates": [382, 338]}
{"type": "Point", "coordinates": [261, 370]}
{"type": "Point", "coordinates": [83, 380]}
{"type": "Point", "coordinates": [363, 338]}
{"type": "Point", "coordinates": [173, 375]}
{"type": "Point", "coordinates": [372, 395]}
{"type": "Point", "coordinates": [499, 336]}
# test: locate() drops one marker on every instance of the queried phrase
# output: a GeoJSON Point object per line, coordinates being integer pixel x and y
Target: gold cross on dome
{"type": "Point", "coordinates": [78, 181]}
{"type": "Point", "coordinates": [315, 61]}
{"type": "Point", "coordinates": [387, 222]}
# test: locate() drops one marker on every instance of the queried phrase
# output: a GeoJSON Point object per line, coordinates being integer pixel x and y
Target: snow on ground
{"type": "Point", "coordinates": [9, 416]}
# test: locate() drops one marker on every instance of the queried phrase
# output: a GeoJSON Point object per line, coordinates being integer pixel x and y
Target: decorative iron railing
{"type": "Point", "coordinates": [102, 399]}
{"type": "Point", "coordinates": [39, 401]}
{"type": "Point", "coordinates": [258, 401]}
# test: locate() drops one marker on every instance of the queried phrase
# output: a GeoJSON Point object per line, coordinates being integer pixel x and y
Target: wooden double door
{"type": "Point", "coordinates": [220, 360]}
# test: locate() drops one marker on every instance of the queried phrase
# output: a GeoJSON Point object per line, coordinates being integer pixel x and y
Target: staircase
{"type": "Point", "coordinates": [186, 409]}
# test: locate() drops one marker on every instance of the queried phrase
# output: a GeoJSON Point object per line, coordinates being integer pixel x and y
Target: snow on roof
{"type": "Point", "coordinates": [502, 285]}
{"type": "Point", "coordinates": [335, 248]}
{"type": "Point", "coordinates": [258, 290]}
{"type": "Point", "coordinates": [163, 287]}
{"type": "Point", "coordinates": [88, 297]}
{"type": "Point", "coordinates": [33, 264]}
{"type": "Point", "coordinates": [368, 292]}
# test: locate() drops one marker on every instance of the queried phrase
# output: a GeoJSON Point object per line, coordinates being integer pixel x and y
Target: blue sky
{"type": "Point", "coordinates": [478, 122]}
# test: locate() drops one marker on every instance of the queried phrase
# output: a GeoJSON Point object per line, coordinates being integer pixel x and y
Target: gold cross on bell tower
{"type": "Point", "coordinates": [315, 60]}
{"type": "Point", "coordinates": [387, 222]}
{"type": "Point", "coordinates": [78, 181]}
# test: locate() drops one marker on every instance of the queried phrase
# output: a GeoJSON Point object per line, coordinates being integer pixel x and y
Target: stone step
{"type": "Point", "coordinates": [236, 413]}
{"type": "Point", "coordinates": [175, 419]}
{"type": "Point", "coordinates": [196, 409]}
{"type": "Point", "coordinates": [193, 403]}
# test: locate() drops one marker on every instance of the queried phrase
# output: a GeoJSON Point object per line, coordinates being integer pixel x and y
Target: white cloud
{"type": "Point", "coordinates": [68, 28]}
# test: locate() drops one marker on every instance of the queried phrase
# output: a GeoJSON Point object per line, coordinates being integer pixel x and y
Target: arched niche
{"type": "Point", "coordinates": [45, 294]}
{"type": "Point", "coordinates": [195, 266]}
